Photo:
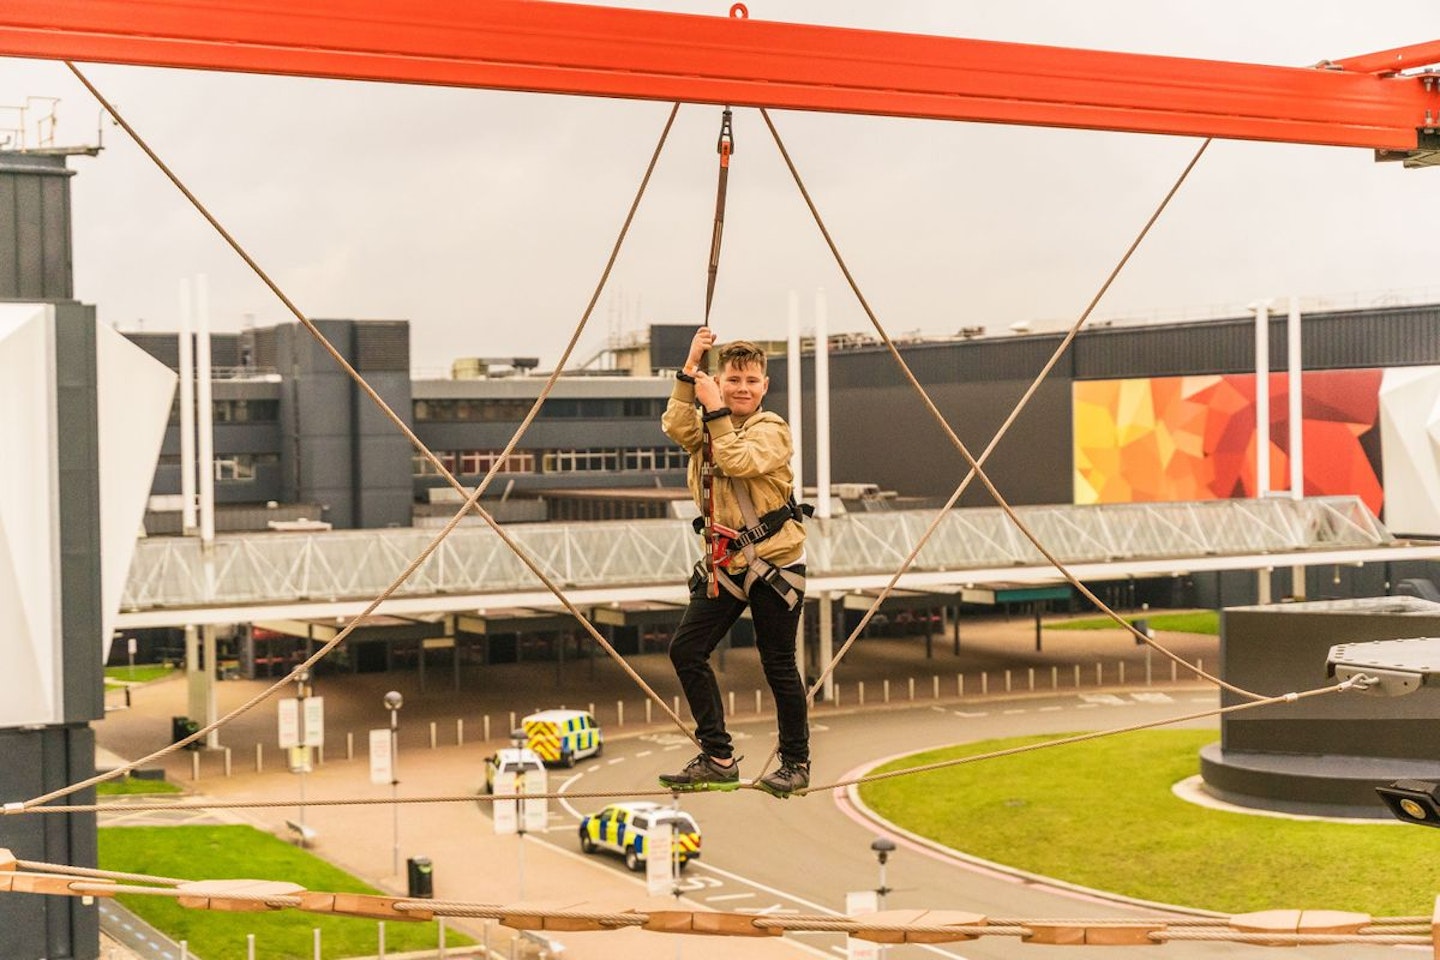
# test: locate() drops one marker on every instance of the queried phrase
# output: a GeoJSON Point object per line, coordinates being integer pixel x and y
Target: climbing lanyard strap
{"type": "Point", "coordinates": [725, 146]}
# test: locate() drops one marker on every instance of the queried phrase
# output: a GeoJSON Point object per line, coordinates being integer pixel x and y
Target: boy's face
{"type": "Point", "coordinates": [743, 387]}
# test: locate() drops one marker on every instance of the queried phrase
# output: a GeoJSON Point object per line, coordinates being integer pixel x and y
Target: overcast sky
{"type": "Point", "coordinates": [484, 218]}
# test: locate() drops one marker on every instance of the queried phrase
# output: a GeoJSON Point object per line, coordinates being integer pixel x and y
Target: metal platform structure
{"type": "Point", "coordinates": [267, 575]}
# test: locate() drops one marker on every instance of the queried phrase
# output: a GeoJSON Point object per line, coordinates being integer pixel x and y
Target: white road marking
{"type": "Point", "coordinates": [1010, 712]}
{"type": "Point", "coordinates": [612, 762]}
{"type": "Point", "coordinates": [966, 713]}
{"type": "Point", "coordinates": [1050, 709]}
{"type": "Point", "coordinates": [644, 753]}
{"type": "Point", "coordinates": [1152, 697]}
{"type": "Point", "coordinates": [566, 803]}
{"type": "Point", "coordinates": [729, 896]}
{"type": "Point", "coordinates": [1108, 699]}
{"type": "Point", "coordinates": [771, 910]}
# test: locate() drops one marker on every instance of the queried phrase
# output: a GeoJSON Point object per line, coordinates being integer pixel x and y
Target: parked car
{"type": "Point", "coordinates": [510, 760]}
{"type": "Point", "coordinates": [561, 736]}
{"type": "Point", "coordinates": [624, 828]}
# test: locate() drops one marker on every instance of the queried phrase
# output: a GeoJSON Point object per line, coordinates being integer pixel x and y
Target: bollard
{"type": "Point", "coordinates": [250, 946]}
{"type": "Point", "coordinates": [441, 943]}
{"type": "Point", "coordinates": [459, 731]}
{"type": "Point", "coordinates": [184, 950]}
{"type": "Point", "coordinates": [194, 766]}
{"type": "Point", "coordinates": [675, 701]}
{"type": "Point", "coordinates": [1099, 674]}
{"type": "Point", "coordinates": [912, 688]}
{"type": "Point", "coordinates": [590, 708]}
{"type": "Point", "coordinates": [960, 686]}
{"type": "Point", "coordinates": [1199, 664]}
{"type": "Point", "coordinates": [512, 721]}
{"type": "Point", "coordinates": [432, 735]}
{"type": "Point", "coordinates": [1122, 673]}
{"type": "Point", "coordinates": [935, 686]}
{"type": "Point", "coordinates": [730, 697]}
{"type": "Point", "coordinates": [350, 745]}
{"type": "Point", "coordinates": [757, 700]}
{"type": "Point", "coordinates": [227, 761]}
{"type": "Point", "coordinates": [619, 713]}
{"type": "Point", "coordinates": [1007, 681]}
{"type": "Point", "coordinates": [984, 683]}
{"type": "Point", "coordinates": [317, 943]}
{"type": "Point", "coordinates": [837, 695]}
{"type": "Point", "coordinates": [259, 757]}
{"type": "Point", "coordinates": [649, 705]}
{"type": "Point", "coordinates": [320, 755]}
{"type": "Point", "coordinates": [1174, 671]}
{"type": "Point", "coordinates": [1032, 679]}
{"type": "Point", "coordinates": [485, 728]}
{"type": "Point", "coordinates": [885, 691]}
{"type": "Point", "coordinates": [380, 940]}
{"type": "Point", "coordinates": [1077, 676]}
{"type": "Point", "coordinates": [1054, 678]}
{"type": "Point", "coordinates": [861, 697]}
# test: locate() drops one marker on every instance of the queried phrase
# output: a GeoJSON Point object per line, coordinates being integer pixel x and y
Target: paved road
{"type": "Point", "coordinates": [767, 856]}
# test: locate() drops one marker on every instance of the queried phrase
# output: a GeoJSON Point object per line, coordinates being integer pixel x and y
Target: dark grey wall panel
{"type": "Point", "coordinates": [78, 462]}
{"type": "Point", "coordinates": [36, 762]}
{"type": "Point", "coordinates": [35, 259]}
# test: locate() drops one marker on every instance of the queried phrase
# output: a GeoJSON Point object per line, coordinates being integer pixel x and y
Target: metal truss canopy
{"type": "Point", "coordinates": [172, 580]}
{"type": "Point", "coordinates": [601, 51]}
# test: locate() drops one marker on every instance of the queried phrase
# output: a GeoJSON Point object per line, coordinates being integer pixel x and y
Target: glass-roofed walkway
{"type": "Point", "coordinates": [171, 581]}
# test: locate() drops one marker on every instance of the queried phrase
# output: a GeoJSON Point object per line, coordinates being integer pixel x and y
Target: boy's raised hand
{"type": "Point", "coordinates": [703, 340]}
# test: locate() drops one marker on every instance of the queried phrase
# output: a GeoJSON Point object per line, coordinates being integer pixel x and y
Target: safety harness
{"type": "Point", "coordinates": [726, 542]}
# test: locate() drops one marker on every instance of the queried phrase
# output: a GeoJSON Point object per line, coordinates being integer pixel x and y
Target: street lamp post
{"type": "Point", "coordinates": [883, 847]}
{"type": "Point", "coordinates": [393, 702]}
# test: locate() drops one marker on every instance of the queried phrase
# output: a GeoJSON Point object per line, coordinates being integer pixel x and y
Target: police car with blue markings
{"type": "Point", "coordinates": [624, 828]}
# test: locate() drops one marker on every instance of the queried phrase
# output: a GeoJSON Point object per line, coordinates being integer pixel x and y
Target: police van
{"type": "Point", "coordinates": [624, 828]}
{"type": "Point", "coordinates": [561, 736]}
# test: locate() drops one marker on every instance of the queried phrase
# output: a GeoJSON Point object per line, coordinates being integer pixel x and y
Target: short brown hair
{"type": "Point", "coordinates": [742, 353]}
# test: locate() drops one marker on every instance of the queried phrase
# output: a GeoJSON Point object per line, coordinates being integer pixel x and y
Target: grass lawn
{"type": "Point", "coordinates": [1198, 621]}
{"type": "Point", "coordinates": [1101, 814]}
{"type": "Point", "coordinates": [203, 853]}
{"type": "Point", "coordinates": [132, 786]}
{"type": "Point", "coordinates": [141, 673]}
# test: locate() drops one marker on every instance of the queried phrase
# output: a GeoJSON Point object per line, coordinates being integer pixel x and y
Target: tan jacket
{"type": "Point", "coordinates": [757, 454]}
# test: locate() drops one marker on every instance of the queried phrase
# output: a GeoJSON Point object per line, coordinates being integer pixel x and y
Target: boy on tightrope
{"type": "Point", "coordinates": [760, 546]}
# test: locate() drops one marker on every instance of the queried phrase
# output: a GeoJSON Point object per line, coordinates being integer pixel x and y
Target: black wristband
{"type": "Point", "coordinates": [684, 377]}
{"type": "Point", "coordinates": [715, 414]}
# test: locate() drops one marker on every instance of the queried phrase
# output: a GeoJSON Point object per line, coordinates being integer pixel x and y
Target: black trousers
{"type": "Point", "coordinates": [704, 625]}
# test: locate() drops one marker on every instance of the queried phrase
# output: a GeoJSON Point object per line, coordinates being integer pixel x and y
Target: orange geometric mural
{"type": "Point", "coordinates": [1193, 438]}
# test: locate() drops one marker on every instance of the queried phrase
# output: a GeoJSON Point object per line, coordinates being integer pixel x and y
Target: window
{"type": "Point", "coordinates": [475, 462]}
{"type": "Point", "coordinates": [581, 461]}
{"type": "Point", "coordinates": [469, 410]}
{"type": "Point", "coordinates": [246, 411]}
{"type": "Point", "coordinates": [240, 467]}
{"type": "Point", "coordinates": [422, 467]}
{"type": "Point", "coordinates": [654, 458]}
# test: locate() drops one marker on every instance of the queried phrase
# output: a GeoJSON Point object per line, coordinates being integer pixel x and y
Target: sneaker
{"type": "Point", "coordinates": [791, 776]}
{"type": "Point", "coordinates": [702, 773]}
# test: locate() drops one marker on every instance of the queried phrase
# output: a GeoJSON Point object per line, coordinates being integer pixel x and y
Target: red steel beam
{"type": "Point", "coordinates": [569, 48]}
